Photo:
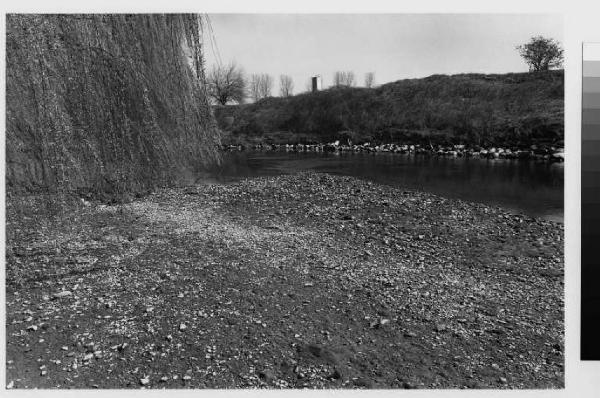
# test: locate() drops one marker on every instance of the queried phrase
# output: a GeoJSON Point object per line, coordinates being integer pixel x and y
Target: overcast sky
{"type": "Point", "coordinates": [394, 46]}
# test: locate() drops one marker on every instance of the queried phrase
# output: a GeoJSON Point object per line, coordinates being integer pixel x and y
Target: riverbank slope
{"type": "Point", "coordinates": [514, 110]}
{"type": "Point", "coordinates": [307, 280]}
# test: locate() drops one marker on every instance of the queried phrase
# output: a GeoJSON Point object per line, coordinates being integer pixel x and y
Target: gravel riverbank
{"type": "Point", "coordinates": [306, 280]}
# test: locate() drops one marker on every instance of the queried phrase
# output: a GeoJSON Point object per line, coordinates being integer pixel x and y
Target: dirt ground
{"type": "Point", "coordinates": [303, 281]}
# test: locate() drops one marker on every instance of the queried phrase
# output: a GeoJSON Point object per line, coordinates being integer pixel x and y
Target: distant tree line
{"type": "Point", "coordinates": [228, 84]}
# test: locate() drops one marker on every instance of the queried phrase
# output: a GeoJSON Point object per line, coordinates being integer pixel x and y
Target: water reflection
{"type": "Point", "coordinates": [534, 188]}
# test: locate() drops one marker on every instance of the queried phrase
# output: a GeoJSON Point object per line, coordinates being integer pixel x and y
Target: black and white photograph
{"type": "Point", "coordinates": [320, 201]}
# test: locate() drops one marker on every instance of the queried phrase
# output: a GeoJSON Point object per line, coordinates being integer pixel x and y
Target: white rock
{"type": "Point", "coordinates": [64, 293]}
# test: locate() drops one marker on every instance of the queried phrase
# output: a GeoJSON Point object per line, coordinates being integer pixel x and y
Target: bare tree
{"type": "Point", "coordinates": [286, 85]}
{"type": "Point", "coordinates": [261, 86]}
{"type": "Point", "coordinates": [227, 83]}
{"type": "Point", "coordinates": [266, 85]}
{"type": "Point", "coordinates": [369, 79]}
{"type": "Point", "coordinates": [343, 79]}
{"type": "Point", "coordinates": [253, 87]}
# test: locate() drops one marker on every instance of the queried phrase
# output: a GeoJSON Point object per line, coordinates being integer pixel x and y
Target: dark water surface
{"type": "Point", "coordinates": [533, 188]}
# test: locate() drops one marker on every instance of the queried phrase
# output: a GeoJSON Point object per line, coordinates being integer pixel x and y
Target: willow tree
{"type": "Point", "coordinates": [105, 102]}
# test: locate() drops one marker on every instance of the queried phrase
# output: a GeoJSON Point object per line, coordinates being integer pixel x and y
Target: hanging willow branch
{"type": "Point", "coordinates": [105, 102]}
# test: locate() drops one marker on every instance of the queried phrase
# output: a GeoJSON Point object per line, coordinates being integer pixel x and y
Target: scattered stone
{"type": "Point", "coordinates": [32, 327]}
{"type": "Point", "coordinates": [145, 381]}
{"type": "Point", "coordinates": [182, 327]}
{"type": "Point", "coordinates": [64, 293]}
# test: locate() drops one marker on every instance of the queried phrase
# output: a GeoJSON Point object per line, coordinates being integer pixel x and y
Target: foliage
{"type": "Point", "coordinates": [105, 103]}
{"type": "Point", "coordinates": [227, 84]}
{"type": "Point", "coordinates": [513, 109]}
{"type": "Point", "coordinates": [541, 53]}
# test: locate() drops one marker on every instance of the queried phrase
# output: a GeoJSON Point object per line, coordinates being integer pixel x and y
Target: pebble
{"type": "Point", "coordinates": [182, 326]}
{"type": "Point", "coordinates": [144, 381]}
{"type": "Point", "coordinates": [64, 293]}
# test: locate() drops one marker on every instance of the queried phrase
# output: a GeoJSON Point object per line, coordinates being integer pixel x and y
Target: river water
{"type": "Point", "coordinates": [521, 186]}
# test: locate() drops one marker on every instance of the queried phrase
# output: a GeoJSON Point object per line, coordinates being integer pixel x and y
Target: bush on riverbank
{"type": "Point", "coordinates": [104, 103]}
{"type": "Point", "coordinates": [516, 109]}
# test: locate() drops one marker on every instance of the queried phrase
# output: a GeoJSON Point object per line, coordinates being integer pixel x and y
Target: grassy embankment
{"type": "Point", "coordinates": [513, 110]}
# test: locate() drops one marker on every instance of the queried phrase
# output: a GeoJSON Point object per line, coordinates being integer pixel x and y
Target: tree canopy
{"type": "Point", "coordinates": [541, 53]}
